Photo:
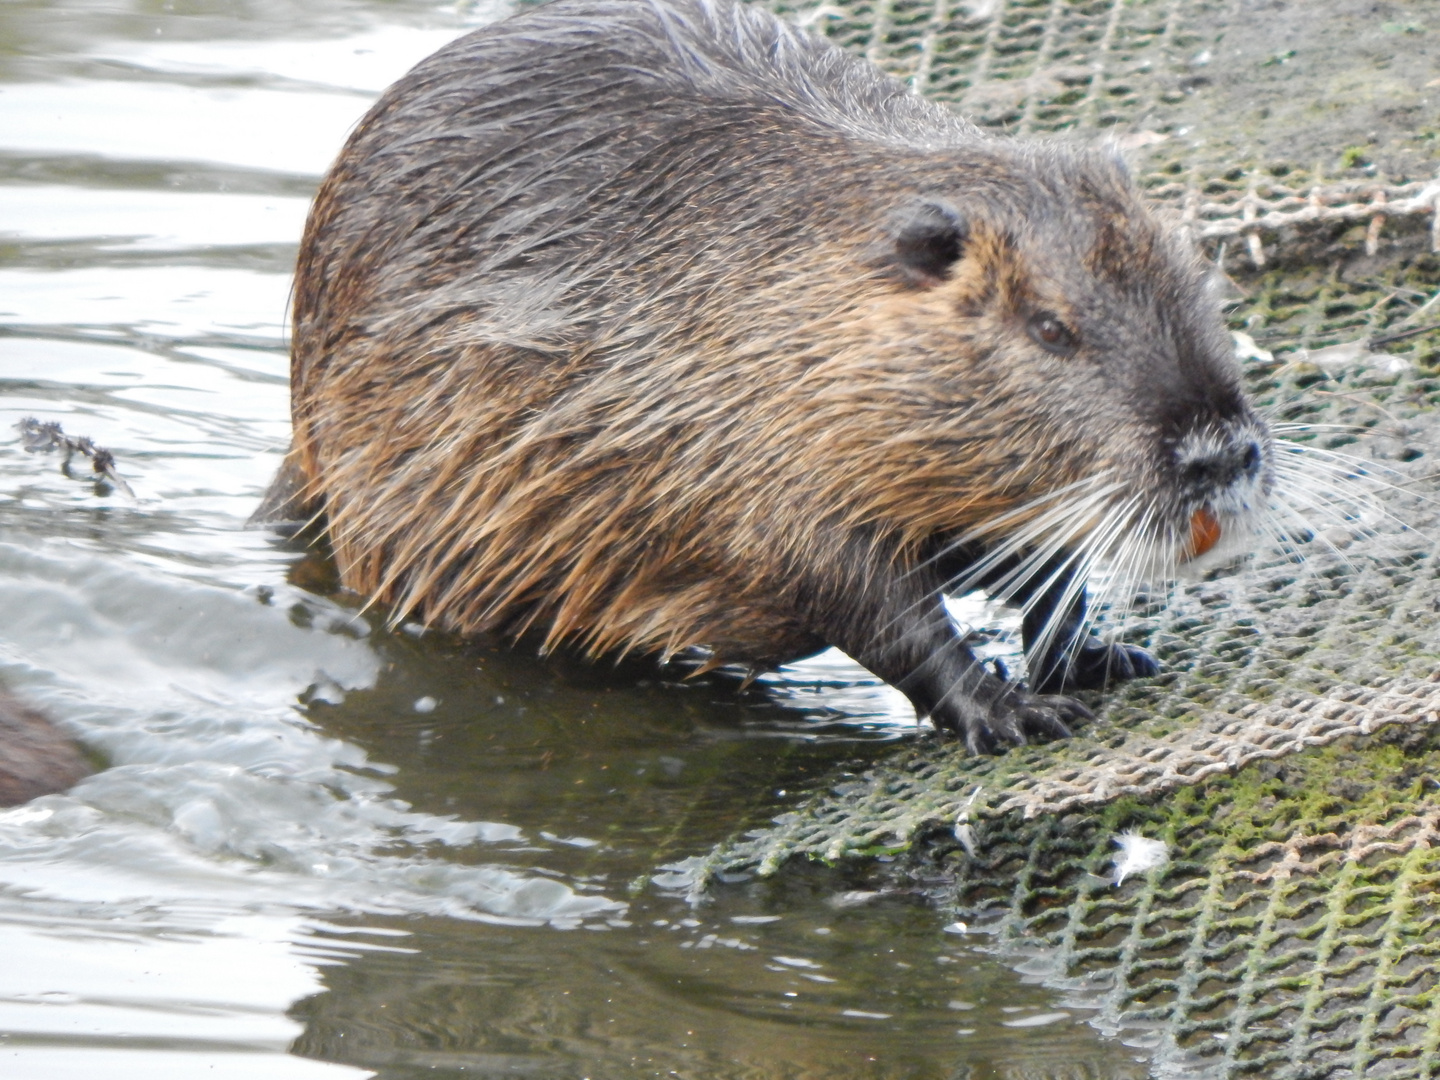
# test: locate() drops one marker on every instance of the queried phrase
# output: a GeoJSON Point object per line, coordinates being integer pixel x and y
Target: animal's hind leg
{"type": "Point", "coordinates": [1062, 654]}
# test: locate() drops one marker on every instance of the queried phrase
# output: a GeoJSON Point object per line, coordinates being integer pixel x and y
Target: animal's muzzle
{"type": "Point", "coordinates": [1222, 474]}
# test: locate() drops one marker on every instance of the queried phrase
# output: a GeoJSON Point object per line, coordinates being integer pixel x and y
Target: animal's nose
{"type": "Point", "coordinates": [1226, 465]}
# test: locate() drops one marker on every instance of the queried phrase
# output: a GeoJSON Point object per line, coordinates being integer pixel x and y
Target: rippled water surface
{"type": "Point", "coordinates": [312, 847]}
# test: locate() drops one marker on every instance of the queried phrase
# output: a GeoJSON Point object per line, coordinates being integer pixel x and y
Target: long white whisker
{"type": "Point", "coordinates": [1138, 568]}
{"type": "Point", "coordinates": [1083, 561]}
{"type": "Point", "coordinates": [1350, 469]}
{"type": "Point", "coordinates": [981, 569]}
{"type": "Point", "coordinates": [1322, 499]}
{"type": "Point", "coordinates": [1058, 529]}
{"type": "Point", "coordinates": [1282, 537]}
{"type": "Point", "coordinates": [1064, 508]}
{"type": "Point", "coordinates": [1328, 508]}
{"type": "Point", "coordinates": [1069, 515]}
{"type": "Point", "coordinates": [1305, 427]}
{"type": "Point", "coordinates": [1292, 512]}
{"type": "Point", "coordinates": [1116, 556]}
{"type": "Point", "coordinates": [1128, 568]}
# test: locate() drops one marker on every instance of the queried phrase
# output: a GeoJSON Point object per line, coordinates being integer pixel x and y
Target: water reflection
{"type": "Point", "coordinates": [818, 973]}
{"type": "Point", "coordinates": [794, 979]}
{"type": "Point", "coordinates": [445, 852]}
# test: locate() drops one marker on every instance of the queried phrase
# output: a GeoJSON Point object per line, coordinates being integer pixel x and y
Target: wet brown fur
{"type": "Point", "coordinates": [701, 403]}
{"type": "Point", "coordinates": [35, 757]}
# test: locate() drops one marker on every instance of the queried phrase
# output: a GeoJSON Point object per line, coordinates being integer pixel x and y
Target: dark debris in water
{"type": "Point", "coordinates": [42, 437]}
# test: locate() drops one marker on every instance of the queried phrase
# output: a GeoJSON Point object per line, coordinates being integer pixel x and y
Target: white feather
{"type": "Point", "coordinates": [1138, 854]}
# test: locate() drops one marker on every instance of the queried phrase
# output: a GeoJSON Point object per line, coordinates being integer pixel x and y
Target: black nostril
{"type": "Point", "coordinates": [1250, 462]}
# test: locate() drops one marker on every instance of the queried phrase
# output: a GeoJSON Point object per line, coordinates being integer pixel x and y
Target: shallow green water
{"type": "Point", "coordinates": [318, 848]}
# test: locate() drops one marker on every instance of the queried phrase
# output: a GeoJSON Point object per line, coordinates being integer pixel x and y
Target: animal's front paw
{"type": "Point", "coordinates": [1015, 717]}
{"type": "Point", "coordinates": [1096, 665]}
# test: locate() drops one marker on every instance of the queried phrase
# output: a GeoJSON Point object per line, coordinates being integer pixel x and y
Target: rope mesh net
{"type": "Point", "coordinates": [1288, 755]}
{"type": "Point", "coordinates": [1292, 933]}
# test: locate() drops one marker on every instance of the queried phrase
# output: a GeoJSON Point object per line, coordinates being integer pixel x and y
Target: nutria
{"type": "Point", "coordinates": [35, 758]}
{"type": "Point", "coordinates": [646, 325]}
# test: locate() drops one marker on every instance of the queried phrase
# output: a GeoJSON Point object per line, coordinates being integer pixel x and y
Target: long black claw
{"type": "Point", "coordinates": [1015, 719]}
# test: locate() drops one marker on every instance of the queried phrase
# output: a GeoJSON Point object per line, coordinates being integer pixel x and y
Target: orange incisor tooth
{"type": "Point", "coordinates": [1204, 533]}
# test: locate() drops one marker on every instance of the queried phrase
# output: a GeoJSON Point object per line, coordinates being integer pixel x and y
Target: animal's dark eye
{"type": "Point", "coordinates": [1052, 335]}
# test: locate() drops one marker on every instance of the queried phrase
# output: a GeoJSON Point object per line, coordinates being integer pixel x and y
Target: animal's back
{"type": "Point", "coordinates": [540, 158]}
{"type": "Point", "coordinates": [527, 295]}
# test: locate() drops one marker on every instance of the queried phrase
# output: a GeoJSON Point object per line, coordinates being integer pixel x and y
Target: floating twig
{"type": "Point", "coordinates": [41, 438]}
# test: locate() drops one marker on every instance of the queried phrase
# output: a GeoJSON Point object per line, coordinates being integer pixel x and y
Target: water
{"type": "Point", "coordinates": [313, 847]}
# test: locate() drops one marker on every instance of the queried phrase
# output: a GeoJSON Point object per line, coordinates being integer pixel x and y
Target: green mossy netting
{"type": "Point", "coordinates": [1279, 656]}
{"type": "Point", "coordinates": [1291, 934]}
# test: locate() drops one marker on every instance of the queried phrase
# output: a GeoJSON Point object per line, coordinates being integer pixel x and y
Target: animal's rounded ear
{"type": "Point", "coordinates": [929, 240]}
